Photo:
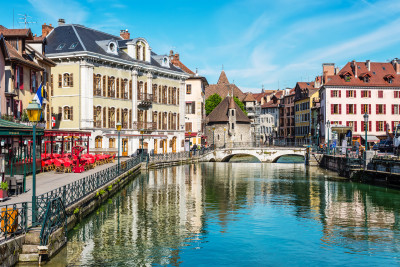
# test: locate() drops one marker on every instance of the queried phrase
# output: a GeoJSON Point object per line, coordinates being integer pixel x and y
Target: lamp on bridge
{"type": "Point", "coordinates": [34, 111]}
{"type": "Point", "coordinates": [366, 138]}
{"type": "Point", "coordinates": [119, 126]}
{"type": "Point", "coordinates": [328, 126]}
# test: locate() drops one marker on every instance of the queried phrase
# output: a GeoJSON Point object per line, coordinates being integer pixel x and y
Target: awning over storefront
{"type": "Point", "coordinates": [371, 138]}
{"type": "Point", "coordinates": [151, 136]}
{"type": "Point", "coordinates": [65, 133]}
{"type": "Point", "coordinates": [8, 128]}
{"type": "Point", "coordinates": [340, 129]}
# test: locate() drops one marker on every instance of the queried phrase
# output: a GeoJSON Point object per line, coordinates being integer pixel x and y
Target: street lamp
{"type": "Point", "coordinates": [366, 138]}
{"type": "Point", "coordinates": [328, 125]}
{"type": "Point", "coordinates": [318, 134]}
{"type": "Point", "coordinates": [224, 137]}
{"type": "Point", "coordinates": [34, 111]}
{"type": "Point", "coordinates": [119, 126]}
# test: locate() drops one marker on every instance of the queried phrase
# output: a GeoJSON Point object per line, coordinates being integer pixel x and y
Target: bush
{"type": "Point", "coordinates": [76, 210]}
{"type": "Point", "coordinates": [4, 186]}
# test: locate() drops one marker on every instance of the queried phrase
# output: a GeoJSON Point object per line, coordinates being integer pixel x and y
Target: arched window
{"type": "Point", "coordinates": [98, 142]}
{"type": "Point", "coordinates": [125, 118]}
{"type": "Point", "coordinates": [155, 93]}
{"type": "Point", "coordinates": [124, 87]}
{"type": "Point", "coordinates": [97, 84]}
{"type": "Point", "coordinates": [68, 80]}
{"type": "Point", "coordinates": [111, 87]}
{"type": "Point", "coordinates": [111, 143]}
{"type": "Point", "coordinates": [97, 117]}
{"type": "Point", "coordinates": [111, 117]}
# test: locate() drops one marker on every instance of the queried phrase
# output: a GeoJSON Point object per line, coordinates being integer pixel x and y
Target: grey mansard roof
{"type": "Point", "coordinates": [78, 39]}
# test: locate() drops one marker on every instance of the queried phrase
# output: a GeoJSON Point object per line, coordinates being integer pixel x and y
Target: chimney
{"type": "Point", "coordinates": [61, 22]}
{"type": "Point", "coordinates": [125, 34]}
{"type": "Point", "coordinates": [46, 29]}
{"type": "Point", "coordinates": [354, 66]}
{"type": "Point", "coordinates": [176, 57]}
{"type": "Point", "coordinates": [329, 68]}
{"type": "Point", "coordinates": [368, 64]}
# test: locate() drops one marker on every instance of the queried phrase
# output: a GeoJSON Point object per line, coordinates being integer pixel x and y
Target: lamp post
{"type": "Point", "coordinates": [318, 134]}
{"type": "Point", "coordinates": [213, 137]}
{"type": "Point", "coordinates": [34, 111]}
{"type": "Point", "coordinates": [366, 138]}
{"type": "Point", "coordinates": [224, 137]}
{"type": "Point", "coordinates": [328, 125]}
{"type": "Point", "coordinates": [141, 154]}
{"type": "Point", "coordinates": [119, 126]}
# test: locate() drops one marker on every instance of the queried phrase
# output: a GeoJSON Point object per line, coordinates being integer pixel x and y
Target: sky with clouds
{"type": "Point", "coordinates": [259, 42]}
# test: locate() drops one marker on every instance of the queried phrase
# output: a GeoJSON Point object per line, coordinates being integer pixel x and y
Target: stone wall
{"type": "Point", "coordinates": [241, 133]}
{"type": "Point", "coordinates": [9, 251]}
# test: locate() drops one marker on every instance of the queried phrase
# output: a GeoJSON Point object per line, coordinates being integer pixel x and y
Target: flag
{"type": "Point", "coordinates": [40, 94]}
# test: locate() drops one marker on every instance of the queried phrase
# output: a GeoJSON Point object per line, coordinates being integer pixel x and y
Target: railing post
{"type": "Point", "coordinates": [65, 194]}
{"type": "Point", "coordinates": [25, 214]}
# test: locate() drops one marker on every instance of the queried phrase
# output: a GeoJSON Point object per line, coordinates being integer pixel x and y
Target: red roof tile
{"type": "Point", "coordinates": [220, 112]}
{"type": "Point", "coordinates": [14, 55]}
{"type": "Point", "coordinates": [15, 32]}
{"type": "Point", "coordinates": [223, 88]}
{"type": "Point", "coordinates": [249, 98]}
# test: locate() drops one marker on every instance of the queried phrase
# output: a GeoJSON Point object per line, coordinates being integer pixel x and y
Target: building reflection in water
{"type": "Point", "coordinates": [167, 210]}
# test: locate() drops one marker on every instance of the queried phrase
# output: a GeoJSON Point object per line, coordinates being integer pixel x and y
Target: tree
{"type": "Point", "coordinates": [211, 102]}
{"type": "Point", "coordinates": [240, 104]}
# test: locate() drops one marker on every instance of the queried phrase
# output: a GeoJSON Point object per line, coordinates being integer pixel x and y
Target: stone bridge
{"type": "Point", "coordinates": [265, 154]}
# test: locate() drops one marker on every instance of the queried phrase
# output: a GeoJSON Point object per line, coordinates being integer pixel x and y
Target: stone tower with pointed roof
{"type": "Point", "coordinates": [223, 88]}
{"type": "Point", "coordinates": [227, 124]}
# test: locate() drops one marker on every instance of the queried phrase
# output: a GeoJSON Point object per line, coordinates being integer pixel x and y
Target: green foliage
{"type": "Point", "coordinates": [240, 104]}
{"type": "Point", "coordinates": [24, 116]}
{"type": "Point", "coordinates": [102, 192]}
{"type": "Point", "coordinates": [212, 102]}
{"type": "Point", "coordinates": [110, 187]}
{"type": "Point", "coordinates": [7, 117]}
{"type": "Point", "coordinates": [4, 186]}
{"type": "Point", "coordinates": [97, 194]}
{"type": "Point", "coordinates": [76, 210]}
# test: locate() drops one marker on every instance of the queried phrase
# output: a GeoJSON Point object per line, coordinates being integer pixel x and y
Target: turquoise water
{"type": "Point", "coordinates": [224, 214]}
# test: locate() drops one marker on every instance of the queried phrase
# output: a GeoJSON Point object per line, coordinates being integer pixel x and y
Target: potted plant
{"type": "Point", "coordinates": [3, 190]}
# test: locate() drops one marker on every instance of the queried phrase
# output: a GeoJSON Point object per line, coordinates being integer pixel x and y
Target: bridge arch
{"type": "Point", "coordinates": [285, 155]}
{"type": "Point", "coordinates": [228, 158]}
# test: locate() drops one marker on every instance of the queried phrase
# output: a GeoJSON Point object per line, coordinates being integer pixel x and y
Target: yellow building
{"type": "Point", "coordinates": [101, 79]}
{"type": "Point", "coordinates": [305, 94]}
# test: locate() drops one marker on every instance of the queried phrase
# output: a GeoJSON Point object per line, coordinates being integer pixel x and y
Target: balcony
{"type": "Point", "coordinates": [97, 124]}
{"type": "Point", "coordinates": [144, 126]}
{"type": "Point", "coordinates": [145, 100]}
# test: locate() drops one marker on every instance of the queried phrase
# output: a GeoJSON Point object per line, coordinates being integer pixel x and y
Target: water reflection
{"type": "Point", "coordinates": [224, 213]}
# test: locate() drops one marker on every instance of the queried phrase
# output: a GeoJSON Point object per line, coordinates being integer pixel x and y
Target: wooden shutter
{"type": "Point", "coordinates": [60, 110]}
{"type": "Point", "coordinates": [369, 108]}
{"type": "Point", "coordinates": [130, 119]}
{"type": "Point", "coordinates": [340, 108]}
{"type": "Point", "coordinates": [355, 126]}
{"type": "Point", "coordinates": [355, 93]}
{"type": "Point", "coordinates": [377, 109]}
{"type": "Point", "coordinates": [177, 96]}
{"type": "Point", "coordinates": [109, 117]}
{"type": "Point", "coordinates": [138, 90]}
{"type": "Point", "coordinates": [331, 93]}
{"type": "Point", "coordinates": [94, 84]}
{"type": "Point", "coordinates": [384, 108]}
{"type": "Point", "coordinates": [392, 108]}
{"type": "Point", "coordinates": [104, 86]}
{"type": "Point", "coordinates": [370, 126]}
{"type": "Point", "coordinates": [332, 107]}
{"type": "Point", "coordinates": [377, 126]}
{"type": "Point", "coordinates": [362, 126]}
{"type": "Point", "coordinates": [71, 110]}
{"type": "Point", "coordinates": [193, 107]}
{"type": "Point", "coordinates": [71, 80]}
{"type": "Point", "coordinates": [59, 80]}
{"type": "Point", "coordinates": [385, 126]}
{"type": "Point", "coordinates": [104, 117]}
{"type": "Point", "coordinates": [369, 93]}
{"type": "Point", "coordinates": [355, 109]}
{"type": "Point", "coordinates": [21, 78]}
{"type": "Point", "coordinates": [340, 93]}
{"type": "Point", "coordinates": [117, 81]}
{"type": "Point", "coordinates": [130, 89]}
{"type": "Point", "coordinates": [347, 93]}
{"type": "Point", "coordinates": [347, 108]}
{"type": "Point", "coordinates": [145, 88]}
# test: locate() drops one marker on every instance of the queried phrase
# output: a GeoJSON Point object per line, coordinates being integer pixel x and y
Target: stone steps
{"type": "Point", "coordinates": [29, 251]}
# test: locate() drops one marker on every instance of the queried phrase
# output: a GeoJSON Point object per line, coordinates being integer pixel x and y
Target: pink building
{"type": "Point", "coordinates": [359, 88]}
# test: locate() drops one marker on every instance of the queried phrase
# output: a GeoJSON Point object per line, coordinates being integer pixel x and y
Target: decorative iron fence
{"type": "Point", "coordinates": [76, 190]}
{"type": "Point", "coordinates": [55, 217]}
{"type": "Point", "coordinates": [13, 220]}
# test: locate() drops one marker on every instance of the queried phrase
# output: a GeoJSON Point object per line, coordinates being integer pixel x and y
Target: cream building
{"type": "Point", "coordinates": [101, 79]}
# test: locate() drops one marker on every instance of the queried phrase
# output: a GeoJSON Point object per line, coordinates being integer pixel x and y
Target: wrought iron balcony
{"type": "Point", "coordinates": [144, 97]}
{"type": "Point", "coordinates": [144, 125]}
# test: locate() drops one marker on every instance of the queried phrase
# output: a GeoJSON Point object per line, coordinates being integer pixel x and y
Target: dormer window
{"type": "Point", "coordinates": [389, 78]}
{"type": "Point", "coordinates": [140, 51]}
{"type": "Point", "coordinates": [366, 79]}
{"type": "Point", "coordinates": [165, 62]}
{"type": "Point", "coordinates": [347, 78]}
{"type": "Point", "coordinates": [112, 48]}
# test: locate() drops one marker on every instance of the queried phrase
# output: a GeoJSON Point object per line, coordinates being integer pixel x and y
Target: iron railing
{"type": "Point", "coordinates": [76, 190]}
{"type": "Point", "coordinates": [55, 217]}
{"type": "Point", "coordinates": [13, 220]}
{"type": "Point", "coordinates": [145, 97]}
{"type": "Point", "coordinates": [144, 125]}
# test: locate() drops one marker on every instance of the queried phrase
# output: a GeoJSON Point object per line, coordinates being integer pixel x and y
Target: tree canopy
{"type": "Point", "coordinates": [211, 102]}
{"type": "Point", "coordinates": [240, 104]}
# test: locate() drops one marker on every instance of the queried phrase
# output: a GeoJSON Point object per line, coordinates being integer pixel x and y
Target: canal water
{"type": "Point", "coordinates": [240, 214]}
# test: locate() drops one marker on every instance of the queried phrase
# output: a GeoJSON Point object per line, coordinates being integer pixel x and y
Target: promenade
{"type": "Point", "coordinates": [47, 181]}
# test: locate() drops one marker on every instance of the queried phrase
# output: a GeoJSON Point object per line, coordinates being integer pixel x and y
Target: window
{"type": "Point", "coordinates": [347, 78]}
{"type": "Point", "coordinates": [395, 109]}
{"type": "Point", "coordinates": [365, 93]}
{"type": "Point", "coordinates": [380, 126]}
{"type": "Point", "coordinates": [233, 112]}
{"type": "Point", "coordinates": [380, 94]}
{"type": "Point", "coordinates": [365, 108]}
{"type": "Point", "coordinates": [366, 79]}
{"type": "Point", "coordinates": [97, 117]}
{"type": "Point", "coordinates": [233, 126]}
{"type": "Point", "coordinates": [353, 125]}
{"type": "Point", "coordinates": [394, 124]}
{"type": "Point", "coordinates": [190, 107]}
{"type": "Point", "coordinates": [111, 143]}
{"type": "Point", "coordinates": [111, 87]}
{"type": "Point", "coordinates": [67, 113]}
{"type": "Point", "coordinates": [33, 82]}
{"type": "Point", "coordinates": [351, 108]}
{"type": "Point", "coordinates": [98, 141]}
{"type": "Point", "coordinates": [188, 89]}
{"type": "Point", "coordinates": [60, 46]}
{"type": "Point", "coordinates": [67, 80]}
{"type": "Point", "coordinates": [73, 45]}
{"type": "Point", "coordinates": [396, 94]}
{"type": "Point", "coordinates": [97, 84]}
{"type": "Point", "coordinates": [363, 126]}
{"type": "Point", "coordinates": [380, 109]}
{"type": "Point", "coordinates": [350, 93]}
{"type": "Point", "coordinates": [336, 109]}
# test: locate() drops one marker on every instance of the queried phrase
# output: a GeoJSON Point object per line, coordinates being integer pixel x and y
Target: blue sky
{"type": "Point", "coordinates": [270, 43]}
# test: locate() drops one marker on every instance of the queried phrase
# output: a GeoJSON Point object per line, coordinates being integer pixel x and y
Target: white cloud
{"type": "Point", "coordinates": [72, 11]}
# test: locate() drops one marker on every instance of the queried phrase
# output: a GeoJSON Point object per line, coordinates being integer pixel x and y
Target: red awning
{"type": "Point", "coordinates": [191, 134]}
{"type": "Point", "coordinates": [65, 133]}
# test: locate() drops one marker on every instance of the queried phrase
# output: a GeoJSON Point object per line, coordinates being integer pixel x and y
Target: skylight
{"type": "Point", "coordinates": [60, 46]}
{"type": "Point", "coordinates": [73, 45]}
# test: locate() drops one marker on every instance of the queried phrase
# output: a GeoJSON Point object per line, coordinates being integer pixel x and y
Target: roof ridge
{"type": "Point", "coordinates": [79, 38]}
{"type": "Point", "coordinates": [82, 26]}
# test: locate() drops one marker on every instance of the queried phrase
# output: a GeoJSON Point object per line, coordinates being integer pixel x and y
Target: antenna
{"type": "Point", "coordinates": [24, 19]}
